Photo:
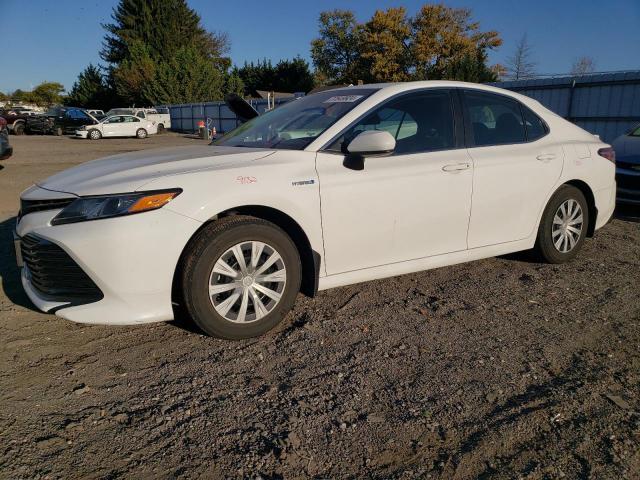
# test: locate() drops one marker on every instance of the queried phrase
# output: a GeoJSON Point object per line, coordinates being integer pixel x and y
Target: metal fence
{"type": "Point", "coordinates": [185, 117]}
{"type": "Point", "coordinates": [604, 104]}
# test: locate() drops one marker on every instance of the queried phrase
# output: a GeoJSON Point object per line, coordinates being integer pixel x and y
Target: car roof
{"type": "Point", "coordinates": [399, 87]}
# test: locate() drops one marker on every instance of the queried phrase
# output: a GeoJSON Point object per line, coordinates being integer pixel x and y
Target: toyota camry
{"type": "Point", "coordinates": [335, 188]}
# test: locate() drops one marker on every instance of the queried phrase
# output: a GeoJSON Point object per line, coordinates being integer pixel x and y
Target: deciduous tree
{"type": "Point", "coordinates": [438, 42]}
{"type": "Point", "coordinates": [583, 66]}
{"type": "Point", "coordinates": [386, 41]}
{"type": "Point", "coordinates": [444, 37]}
{"type": "Point", "coordinates": [336, 53]}
{"type": "Point", "coordinates": [521, 65]}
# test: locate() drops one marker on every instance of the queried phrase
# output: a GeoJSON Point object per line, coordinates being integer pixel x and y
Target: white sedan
{"type": "Point", "coordinates": [339, 187]}
{"type": "Point", "coordinates": [118, 126]}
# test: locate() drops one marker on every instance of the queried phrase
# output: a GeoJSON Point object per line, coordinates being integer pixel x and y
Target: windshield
{"type": "Point", "coordinates": [296, 124]}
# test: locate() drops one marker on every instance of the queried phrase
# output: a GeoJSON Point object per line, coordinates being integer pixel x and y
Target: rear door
{"type": "Point", "coordinates": [131, 126]}
{"type": "Point", "coordinates": [517, 162]}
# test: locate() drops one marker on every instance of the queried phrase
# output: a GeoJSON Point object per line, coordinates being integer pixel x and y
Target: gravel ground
{"type": "Point", "coordinates": [501, 368]}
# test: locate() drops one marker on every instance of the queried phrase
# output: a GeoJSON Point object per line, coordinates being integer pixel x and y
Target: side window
{"type": "Point", "coordinates": [495, 119]}
{"type": "Point", "coordinates": [420, 122]}
{"type": "Point", "coordinates": [131, 119]}
{"type": "Point", "coordinates": [141, 114]}
{"type": "Point", "coordinates": [536, 128]}
{"type": "Point", "coordinates": [635, 133]}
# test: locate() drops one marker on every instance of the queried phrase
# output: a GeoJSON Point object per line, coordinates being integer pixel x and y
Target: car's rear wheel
{"type": "Point", "coordinates": [240, 278]}
{"type": "Point", "coordinates": [18, 129]}
{"type": "Point", "coordinates": [95, 134]}
{"type": "Point", "coordinates": [563, 227]}
{"type": "Point", "coordinates": [161, 128]}
{"type": "Point", "coordinates": [141, 133]}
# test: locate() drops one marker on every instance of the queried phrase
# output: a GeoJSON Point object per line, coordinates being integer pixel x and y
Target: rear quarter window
{"type": "Point", "coordinates": [536, 127]}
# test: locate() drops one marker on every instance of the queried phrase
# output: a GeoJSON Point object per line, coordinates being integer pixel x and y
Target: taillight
{"type": "Point", "coordinates": [608, 153]}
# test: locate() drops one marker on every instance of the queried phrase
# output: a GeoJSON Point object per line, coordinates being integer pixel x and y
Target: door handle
{"type": "Point", "coordinates": [546, 157]}
{"type": "Point", "coordinates": [456, 167]}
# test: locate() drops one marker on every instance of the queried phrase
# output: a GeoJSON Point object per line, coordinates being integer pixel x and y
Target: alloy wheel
{"type": "Point", "coordinates": [567, 226]}
{"type": "Point", "coordinates": [247, 282]}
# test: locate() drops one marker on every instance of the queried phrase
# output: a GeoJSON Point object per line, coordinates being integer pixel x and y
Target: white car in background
{"type": "Point", "coordinates": [160, 117]}
{"type": "Point", "coordinates": [118, 126]}
{"type": "Point", "coordinates": [338, 187]}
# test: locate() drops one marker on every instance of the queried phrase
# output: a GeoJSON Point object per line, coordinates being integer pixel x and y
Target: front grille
{"type": "Point", "coordinates": [30, 206]}
{"type": "Point", "coordinates": [54, 274]}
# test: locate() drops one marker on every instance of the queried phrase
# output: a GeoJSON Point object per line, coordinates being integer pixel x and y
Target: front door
{"type": "Point", "coordinates": [412, 204]}
{"type": "Point", "coordinates": [115, 126]}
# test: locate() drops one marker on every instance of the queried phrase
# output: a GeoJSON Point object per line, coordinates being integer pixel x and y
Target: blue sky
{"type": "Point", "coordinates": [55, 39]}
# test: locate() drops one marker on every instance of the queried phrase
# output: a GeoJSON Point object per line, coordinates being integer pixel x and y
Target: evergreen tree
{"type": "Point", "coordinates": [287, 76]}
{"type": "Point", "coordinates": [90, 90]}
{"type": "Point", "coordinates": [293, 76]}
{"type": "Point", "coordinates": [234, 84]}
{"type": "Point", "coordinates": [158, 52]}
{"type": "Point", "coordinates": [471, 68]}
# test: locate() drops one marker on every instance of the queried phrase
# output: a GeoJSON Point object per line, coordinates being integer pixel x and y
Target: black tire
{"type": "Point", "coordinates": [18, 129]}
{"type": "Point", "coordinates": [545, 247]}
{"type": "Point", "coordinates": [94, 134]}
{"type": "Point", "coordinates": [141, 133]}
{"type": "Point", "coordinates": [161, 128]}
{"type": "Point", "coordinates": [209, 245]}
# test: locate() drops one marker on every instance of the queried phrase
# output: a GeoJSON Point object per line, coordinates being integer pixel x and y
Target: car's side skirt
{"type": "Point", "coordinates": [420, 264]}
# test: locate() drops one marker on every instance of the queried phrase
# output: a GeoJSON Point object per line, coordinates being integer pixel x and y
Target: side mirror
{"type": "Point", "coordinates": [371, 143]}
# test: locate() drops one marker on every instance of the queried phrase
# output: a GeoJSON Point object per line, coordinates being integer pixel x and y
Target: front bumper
{"type": "Point", "coordinates": [132, 260]}
{"type": "Point", "coordinates": [82, 133]}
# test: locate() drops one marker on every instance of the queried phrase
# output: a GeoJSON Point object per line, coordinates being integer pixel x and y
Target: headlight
{"type": "Point", "coordinates": [108, 206]}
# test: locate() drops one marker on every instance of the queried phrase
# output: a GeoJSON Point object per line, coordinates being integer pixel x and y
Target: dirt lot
{"type": "Point", "coordinates": [502, 368]}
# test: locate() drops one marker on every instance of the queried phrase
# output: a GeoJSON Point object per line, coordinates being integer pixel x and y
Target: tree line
{"type": "Point", "coordinates": [158, 52]}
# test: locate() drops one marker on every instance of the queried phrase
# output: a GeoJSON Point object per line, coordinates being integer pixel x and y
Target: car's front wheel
{"type": "Point", "coordinates": [141, 133]}
{"type": "Point", "coordinates": [240, 278]}
{"type": "Point", "coordinates": [95, 134]}
{"type": "Point", "coordinates": [563, 227]}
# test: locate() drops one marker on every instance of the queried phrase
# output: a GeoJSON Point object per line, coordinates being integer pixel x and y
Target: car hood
{"type": "Point", "coordinates": [129, 172]}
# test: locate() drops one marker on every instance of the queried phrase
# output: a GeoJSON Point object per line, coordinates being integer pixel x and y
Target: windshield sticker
{"type": "Point", "coordinates": [343, 99]}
